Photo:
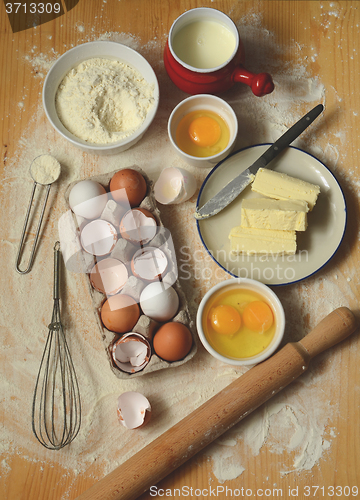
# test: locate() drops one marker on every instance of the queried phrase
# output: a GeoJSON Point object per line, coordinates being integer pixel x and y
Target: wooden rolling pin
{"type": "Point", "coordinates": [218, 414]}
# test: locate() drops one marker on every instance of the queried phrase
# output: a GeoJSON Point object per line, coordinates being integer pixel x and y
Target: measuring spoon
{"type": "Point", "coordinates": [44, 170]}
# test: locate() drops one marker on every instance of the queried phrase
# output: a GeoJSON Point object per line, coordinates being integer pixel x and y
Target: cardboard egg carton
{"type": "Point", "coordinates": [123, 251]}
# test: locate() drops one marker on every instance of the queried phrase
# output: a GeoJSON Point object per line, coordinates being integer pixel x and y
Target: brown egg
{"type": "Point", "coordinates": [120, 313]}
{"type": "Point", "coordinates": [132, 182]}
{"type": "Point", "coordinates": [138, 225]}
{"type": "Point", "coordinates": [173, 341]}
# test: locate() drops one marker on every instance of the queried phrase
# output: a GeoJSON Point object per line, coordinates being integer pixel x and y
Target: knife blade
{"type": "Point", "coordinates": [232, 190]}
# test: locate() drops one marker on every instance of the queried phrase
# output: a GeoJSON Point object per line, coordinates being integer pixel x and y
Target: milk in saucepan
{"type": "Point", "coordinates": [204, 44]}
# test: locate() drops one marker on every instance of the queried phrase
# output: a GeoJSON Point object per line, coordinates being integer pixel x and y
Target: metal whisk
{"type": "Point", "coordinates": [56, 411]}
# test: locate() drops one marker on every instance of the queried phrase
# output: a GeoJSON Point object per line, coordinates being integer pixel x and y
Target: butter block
{"type": "Point", "coordinates": [284, 187]}
{"type": "Point", "coordinates": [250, 240]}
{"type": "Point", "coordinates": [267, 213]}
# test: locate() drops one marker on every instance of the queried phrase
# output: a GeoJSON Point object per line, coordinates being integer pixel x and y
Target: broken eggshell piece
{"type": "Point", "coordinates": [134, 409]}
{"type": "Point", "coordinates": [131, 353]}
{"type": "Point", "coordinates": [138, 226]}
{"type": "Point", "coordinates": [174, 186]}
{"type": "Point", "coordinates": [149, 263]}
{"type": "Point", "coordinates": [109, 276]}
{"type": "Point", "coordinates": [98, 237]}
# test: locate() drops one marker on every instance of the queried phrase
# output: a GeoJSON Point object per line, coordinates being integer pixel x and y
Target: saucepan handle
{"type": "Point", "coordinates": [260, 83]}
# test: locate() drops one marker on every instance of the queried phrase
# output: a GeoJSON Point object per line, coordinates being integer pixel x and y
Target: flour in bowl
{"type": "Point", "coordinates": [103, 100]}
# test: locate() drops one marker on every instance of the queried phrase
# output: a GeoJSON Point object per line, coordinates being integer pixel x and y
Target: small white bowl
{"type": "Point", "coordinates": [80, 53]}
{"type": "Point", "coordinates": [200, 102]}
{"type": "Point", "coordinates": [269, 296]}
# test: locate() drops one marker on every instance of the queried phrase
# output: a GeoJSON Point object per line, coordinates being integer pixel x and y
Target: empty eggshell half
{"type": "Point", "coordinates": [138, 226]}
{"type": "Point", "coordinates": [174, 186]}
{"type": "Point", "coordinates": [149, 263]}
{"type": "Point", "coordinates": [108, 276]}
{"type": "Point", "coordinates": [98, 237]}
{"type": "Point", "coordinates": [134, 409]}
{"type": "Point", "coordinates": [131, 353]}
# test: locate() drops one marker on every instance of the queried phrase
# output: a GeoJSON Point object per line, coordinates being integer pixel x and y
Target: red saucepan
{"type": "Point", "coordinates": [224, 74]}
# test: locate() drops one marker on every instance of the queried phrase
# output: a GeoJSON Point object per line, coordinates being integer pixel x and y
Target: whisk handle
{"type": "Point", "coordinates": [56, 293]}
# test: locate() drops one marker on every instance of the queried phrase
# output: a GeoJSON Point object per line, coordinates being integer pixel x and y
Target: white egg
{"type": "Point", "coordinates": [88, 199]}
{"type": "Point", "coordinates": [159, 301]}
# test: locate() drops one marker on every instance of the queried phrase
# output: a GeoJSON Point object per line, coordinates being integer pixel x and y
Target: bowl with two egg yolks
{"type": "Point", "coordinates": [240, 321]}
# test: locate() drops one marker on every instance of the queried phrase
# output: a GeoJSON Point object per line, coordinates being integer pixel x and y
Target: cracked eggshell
{"type": "Point", "coordinates": [174, 185]}
{"type": "Point", "coordinates": [134, 409]}
{"type": "Point", "coordinates": [98, 237]}
{"type": "Point", "coordinates": [138, 226]}
{"type": "Point", "coordinates": [149, 263]}
{"type": "Point", "coordinates": [109, 276]}
{"type": "Point", "coordinates": [131, 353]}
{"type": "Point", "coordinates": [88, 199]}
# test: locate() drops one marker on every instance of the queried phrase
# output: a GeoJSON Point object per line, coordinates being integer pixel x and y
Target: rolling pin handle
{"type": "Point", "coordinates": [331, 330]}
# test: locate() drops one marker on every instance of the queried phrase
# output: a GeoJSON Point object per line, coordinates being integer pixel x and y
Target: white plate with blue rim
{"type": "Point", "coordinates": [315, 246]}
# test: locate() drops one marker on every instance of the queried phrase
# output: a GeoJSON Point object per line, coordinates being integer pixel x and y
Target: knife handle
{"type": "Point", "coordinates": [289, 136]}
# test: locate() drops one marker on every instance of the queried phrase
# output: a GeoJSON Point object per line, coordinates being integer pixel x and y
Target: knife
{"type": "Point", "coordinates": [228, 193]}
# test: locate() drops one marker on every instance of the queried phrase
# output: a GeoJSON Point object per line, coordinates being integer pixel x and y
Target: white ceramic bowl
{"type": "Point", "coordinates": [73, 57]}
{"type": "Point", "coordinates": [269, 296]}
{"type": "Point", "coordinates": [200, 102]}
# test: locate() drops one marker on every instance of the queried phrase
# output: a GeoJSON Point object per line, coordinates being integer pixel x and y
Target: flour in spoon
{"type": "Point", "coordinates": [102, 101]}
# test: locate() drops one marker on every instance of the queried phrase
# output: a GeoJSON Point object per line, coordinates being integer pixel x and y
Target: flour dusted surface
{"type": "Point", "coordinates": [103, 100]}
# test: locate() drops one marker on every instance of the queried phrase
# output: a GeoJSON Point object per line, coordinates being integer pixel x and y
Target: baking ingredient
{"type": "Point", "coordinates": [284, 187]}
{"type": "Point", "coordinates": [102, 101]}
{"type": "Point", "coordinates": [174, 185]}
{"type": "Point", "coordinates": [128, 186]}
{"type": "Point", "coordinates": [159, 301]}
{"type": "Point", "coordinates": [238, 322]}
{"type": "Point", "coordinates": [225, 319]}
{"type": "Point", "coordinates": [251, 241]}
{"type": "Point", "coordinates": [258, 316]}
{"type": "Point", "coordinates": [138, 226]}
{"type": "Point", "coordinates": [98, 237]}
{"type": "Point", "coordinates": [173, 341]}
{"type": "Point", "coordinates": [45, 169]}
{"type": "Point", "coordinates": [108, 276]}
{"type": "Point", "coordinates": [202, 133]}
{"type": "Point", "coordinates": [204, 44]}
{"type": "Point", "coordinates": [119, 313]}
{"type": "Point", "coordinates": [131, 353]}
{"type": "Point", "coordinates": [149, 263]}
{"type": "Point", "coordinates": [134, 409]}
{"type": "Point", "coordinates": [88, 199]}
{"type": "Point", "coordinates": [267, 213]}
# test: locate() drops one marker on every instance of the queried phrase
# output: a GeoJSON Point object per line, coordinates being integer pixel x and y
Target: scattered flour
{"type": "Point", "coordinates": [102, 100]}
{"type": "Point", "coordinates": [296, 421]}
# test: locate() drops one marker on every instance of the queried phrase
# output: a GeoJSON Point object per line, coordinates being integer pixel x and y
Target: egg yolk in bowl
{"type": "Point", "coordinates": [202, 133]}
{"type": "Point", "coordinates": [238, 323]}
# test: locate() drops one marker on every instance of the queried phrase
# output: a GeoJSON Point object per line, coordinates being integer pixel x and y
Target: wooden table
{"type": "Point", "coordinates": [317, 46]}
